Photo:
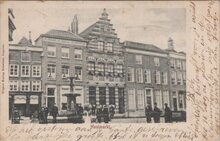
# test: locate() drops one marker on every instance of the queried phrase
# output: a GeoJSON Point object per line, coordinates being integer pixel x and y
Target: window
{"type": "Point", "coordinates": [147, 76]}
{"type": "Point", "coordinates": [51, 71]}
{"type": "Point", "coordinates": [91, 66]}
{"type": "Point", "coordinates": [131, 99]}
{"type": "Point", "coordinates": [50, 91]}
{"type": "Point", "coordinates": [178, 64]}
{"type": "Point", "coordinates": [121, 100]}
{"type": "Point", "coordinates": [130, 74]}
{"type": "Point", "coordinates": [156, 61]}
{"type": "Point", "coordinates": [138, 59]}
{"type": "Point", "coordinates": [158, 98]}
{"type": "Point", "coordinates": [25, 70]}
{"type": "Point", "coordinates": [51, 51]}
{"type": "Point", "coordinates": [140, 99]}
{"type": "Point", "coordinates": [109, 47]}
{"type": "Point", "coordinates": [36, 71]}
{"type": "Point", "coordinates": [179, 78]}
{"type": "Point", "coordinates": [184, 78]}
{"type": "Point", "coordinates": [102, 95]}
{"type": "Point", "coordinates": [110, 68]}
{"type": "Point", "coordinates": [14, 70]}
{"type": "Point", "coordinates": [100, 67]}
{"type": "Point", "coordinates": [111, 95]}
{"type": "Point", "coordinates": [157, 77]}
{"type": "Point", "coordinates": [173, 77]}
{"type": "Point", "coordinates": [164, 78]}
{"type": "Point", "coordinates": [100, 46]}
{"type": "Point", "coordinates": [166, 98]}
{"type": "Point", "coordinates": [139, 75]}
{"type": "Point", "coordinates": [92, 95]}
{"type": "Point", "coordinates": [13, 85]}
{"type": "Point", "coordinates": [184, 65]}
{"type": "Point", "coordinates": [78, 73]}
{"type": "Point", "coordinates": [51, 96]}
{"type": "Point", "coordinates": [119, 68]}
{"type": "Point", "coordinates": [64, 90]}
{"type": "Point", "coordinates": [172, 63]}
{"type": "Point", "coordinates": [65, 52]}
{"type": "Point", "coordinates": [25, 86]}
{"type": "Point", "coordinates": [25, 56]}
{"type": "Point", "coordinates": [78, 53]}
{"type": "Point", "coordinates": [65, 71]}
{"type": "Point", "coordinates": [36, 85]}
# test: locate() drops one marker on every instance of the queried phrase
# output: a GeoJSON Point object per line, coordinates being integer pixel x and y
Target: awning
{"type": "Point", "coordinates": [20, 99]}
{"type": "Point", "coordinates": [34, 99]}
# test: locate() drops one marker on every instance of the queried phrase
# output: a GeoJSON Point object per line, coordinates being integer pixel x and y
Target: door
{"type": "Point", "coordinates": [175, 104]}
{"type": "Point", "coordinates": [50, 102]}
{"type": "Point", "coordinates": [148, 97]}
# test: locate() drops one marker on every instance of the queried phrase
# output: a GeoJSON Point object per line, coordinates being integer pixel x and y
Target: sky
{"type": "Point", "coordinates": [133, 21]}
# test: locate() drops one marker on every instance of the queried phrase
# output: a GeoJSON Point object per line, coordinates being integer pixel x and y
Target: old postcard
{"type": "Point", "coordinates": [112, 70]}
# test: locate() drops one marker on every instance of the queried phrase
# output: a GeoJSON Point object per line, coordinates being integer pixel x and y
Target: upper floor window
{"type": "Point", "coordinates": [139, 75]}
{"type": "Point", "coordinates": [36, 85]}
{"type": "Point", "coordinates": [25, 56]}
{"type": "Point", "coordinates": [119, 68]}
{"type": "Point", "coordinates": [65, 52]}
{"type": "Point", "coordinates": [51, 71]}
{"type": "Point", "coordinates": [109, 47]}
{"type": "Point", "coordinates": [130, 74]}
{"type": "Point", "coordinates": [173, 77]}
{"type": "Point", "coordinates": [138, 59]}
{"type": "Point", "coordinates": [184, 78]}
{"type": "Point", "coordinates": [78, 53]}
{"type": "Point", "coordinates": [157, 77]}
{"type": "Point", "coordinates": [156, 61]}
{"type": "Point", "coordinates": [100, 46]}
{"type": "Point", "coordinates": [110, 68]}
{"type": "Point", "coordinates": [65, 71]}
{"type": "Point", "coordinates": [13, 85]}
{"type": "Point", "coordinates": [172, 63]}
{"type": "Point", "coordinates": [25, 70]}
{"type": "Point", "coordinates": [78, 72]}
{"type": "Point", "coordinates": [178, 64]}
{"type": "Point", "coordinates": [147, 76]}
{"type": "Point", "coordinates": [91, 66]}
{"type": "Point", "coordinates": [164, 78]}
{"type": "Point", "coordinates": [51, 51]}
{"type": "Point", "coordinates": [184, 65]}
{"type": "Point", "coordinates": [179, 78]}
{"type": "Point", "coordinates": [36, 71]}
{"type": "Point", "coordinates": [25, 86]}
{"type": "Point", "coordinates": [14, 70]}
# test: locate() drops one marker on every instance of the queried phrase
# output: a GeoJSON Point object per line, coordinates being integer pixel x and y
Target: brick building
{"type": "Point", "coordinates": [63, 55]}
{"type": "Point", "coordinates": [147, 77]}
{"type": "Point", "coordinates": [25, 77]}
{"type": "Point", "coordinates": [105, 65]}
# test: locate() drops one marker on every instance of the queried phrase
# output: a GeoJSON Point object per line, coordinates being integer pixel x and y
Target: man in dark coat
{"type": "Point", "coordinates": [105, 114]}
{"type": "Point", "coordinates": [168, 114]}
{"type": "Point", "coordinates": [54, 113]}
{"type": "Point", "coordinates": [45, 113]}
{"type": "Point", "coordinates": [148, 113]}
{"type": "Point", "coordinates": [99, 114]}
{"type": "Point", "coordinates": [156, 114]}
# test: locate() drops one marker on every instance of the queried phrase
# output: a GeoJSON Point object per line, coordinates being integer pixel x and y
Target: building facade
{"type": "Point", "coordinates": [25, 77]}
{"type": "Point", "coordinates": [63, 57]}
{"type": "Point", "coordinates": [105, 65]}
{"type": "Point", "coordinates": [147, 77]}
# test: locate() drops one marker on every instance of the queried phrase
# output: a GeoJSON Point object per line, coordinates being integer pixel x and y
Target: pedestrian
{"type": "Point", "coordinates": [105, 114]}
{"type": "Point", "coordinates": [54, 113]}
{"type": "Point", "coordinates": [156, 114]}
{"type": "Point", "coordinates": [168, 114]}
{"type": "Point", "coordinates": [111, 111]}
{"type": "Point", "coordinates": [45, 113]}
{"type": "Point", "coordinates": [148, 113]}
{"type": "Point", "coordinates": [41, 116]}
{"type": "Point", "coordinates": [99, 114]}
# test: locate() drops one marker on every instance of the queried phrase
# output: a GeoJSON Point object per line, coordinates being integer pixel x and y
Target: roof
{"type": "Point", "coordinates": [88, 30]}
{"type": "Point", "coordinates": [61, 34]}
{"type": "Point", "coordinates": [142, 46]}
{"type": "Point", "coordinates": [25, 42]}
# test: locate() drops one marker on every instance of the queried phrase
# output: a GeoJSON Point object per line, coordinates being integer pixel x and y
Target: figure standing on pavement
{"type": "Point", "coordinates": [54, 113]}
{"type": "Point", "coordinates": [168, 114]}
{"type": "Point", "coordinates": [148, 113]}
{"type": "Point", "coordinates": [99, 114]}
{"type": "Point", "coordinates": [111, 112]}
{"type": "Point", "coordinates": [156, 114]}
{"type": "Point", "coordinates": [105, 114]}
{"type": "Point", "coordinates": [45, 113]}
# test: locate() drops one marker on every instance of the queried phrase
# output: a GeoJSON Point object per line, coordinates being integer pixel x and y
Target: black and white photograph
{"type": "Point", "coordinates": [97, 64]}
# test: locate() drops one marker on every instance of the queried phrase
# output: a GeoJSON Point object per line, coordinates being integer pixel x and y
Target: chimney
{"type": "Point", "coordinates": [170, 44]}
{"type": "Point", "coordinates": [30, 40]}
{"type": "Point", "coordinates": [74, 25]}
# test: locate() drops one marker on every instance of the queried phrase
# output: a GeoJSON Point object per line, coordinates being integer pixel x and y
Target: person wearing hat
{"type": "Point", "coordinates": [148, 113]}
{"type": "Point", "coordinates": [54, 113]}
{"type": "Point", "coordinates": [156, 114]}
{"type": "Point", "coordinates": [168, 114]}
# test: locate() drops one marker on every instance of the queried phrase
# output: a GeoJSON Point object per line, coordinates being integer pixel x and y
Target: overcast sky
{"type": "Point", "coordinates": [133, 21]}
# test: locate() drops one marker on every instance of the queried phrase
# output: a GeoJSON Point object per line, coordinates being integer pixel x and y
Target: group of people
{"type": "Point", "coordinates": [43, 114]}
{"type": "Point", "coordinates": [156, 112]}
